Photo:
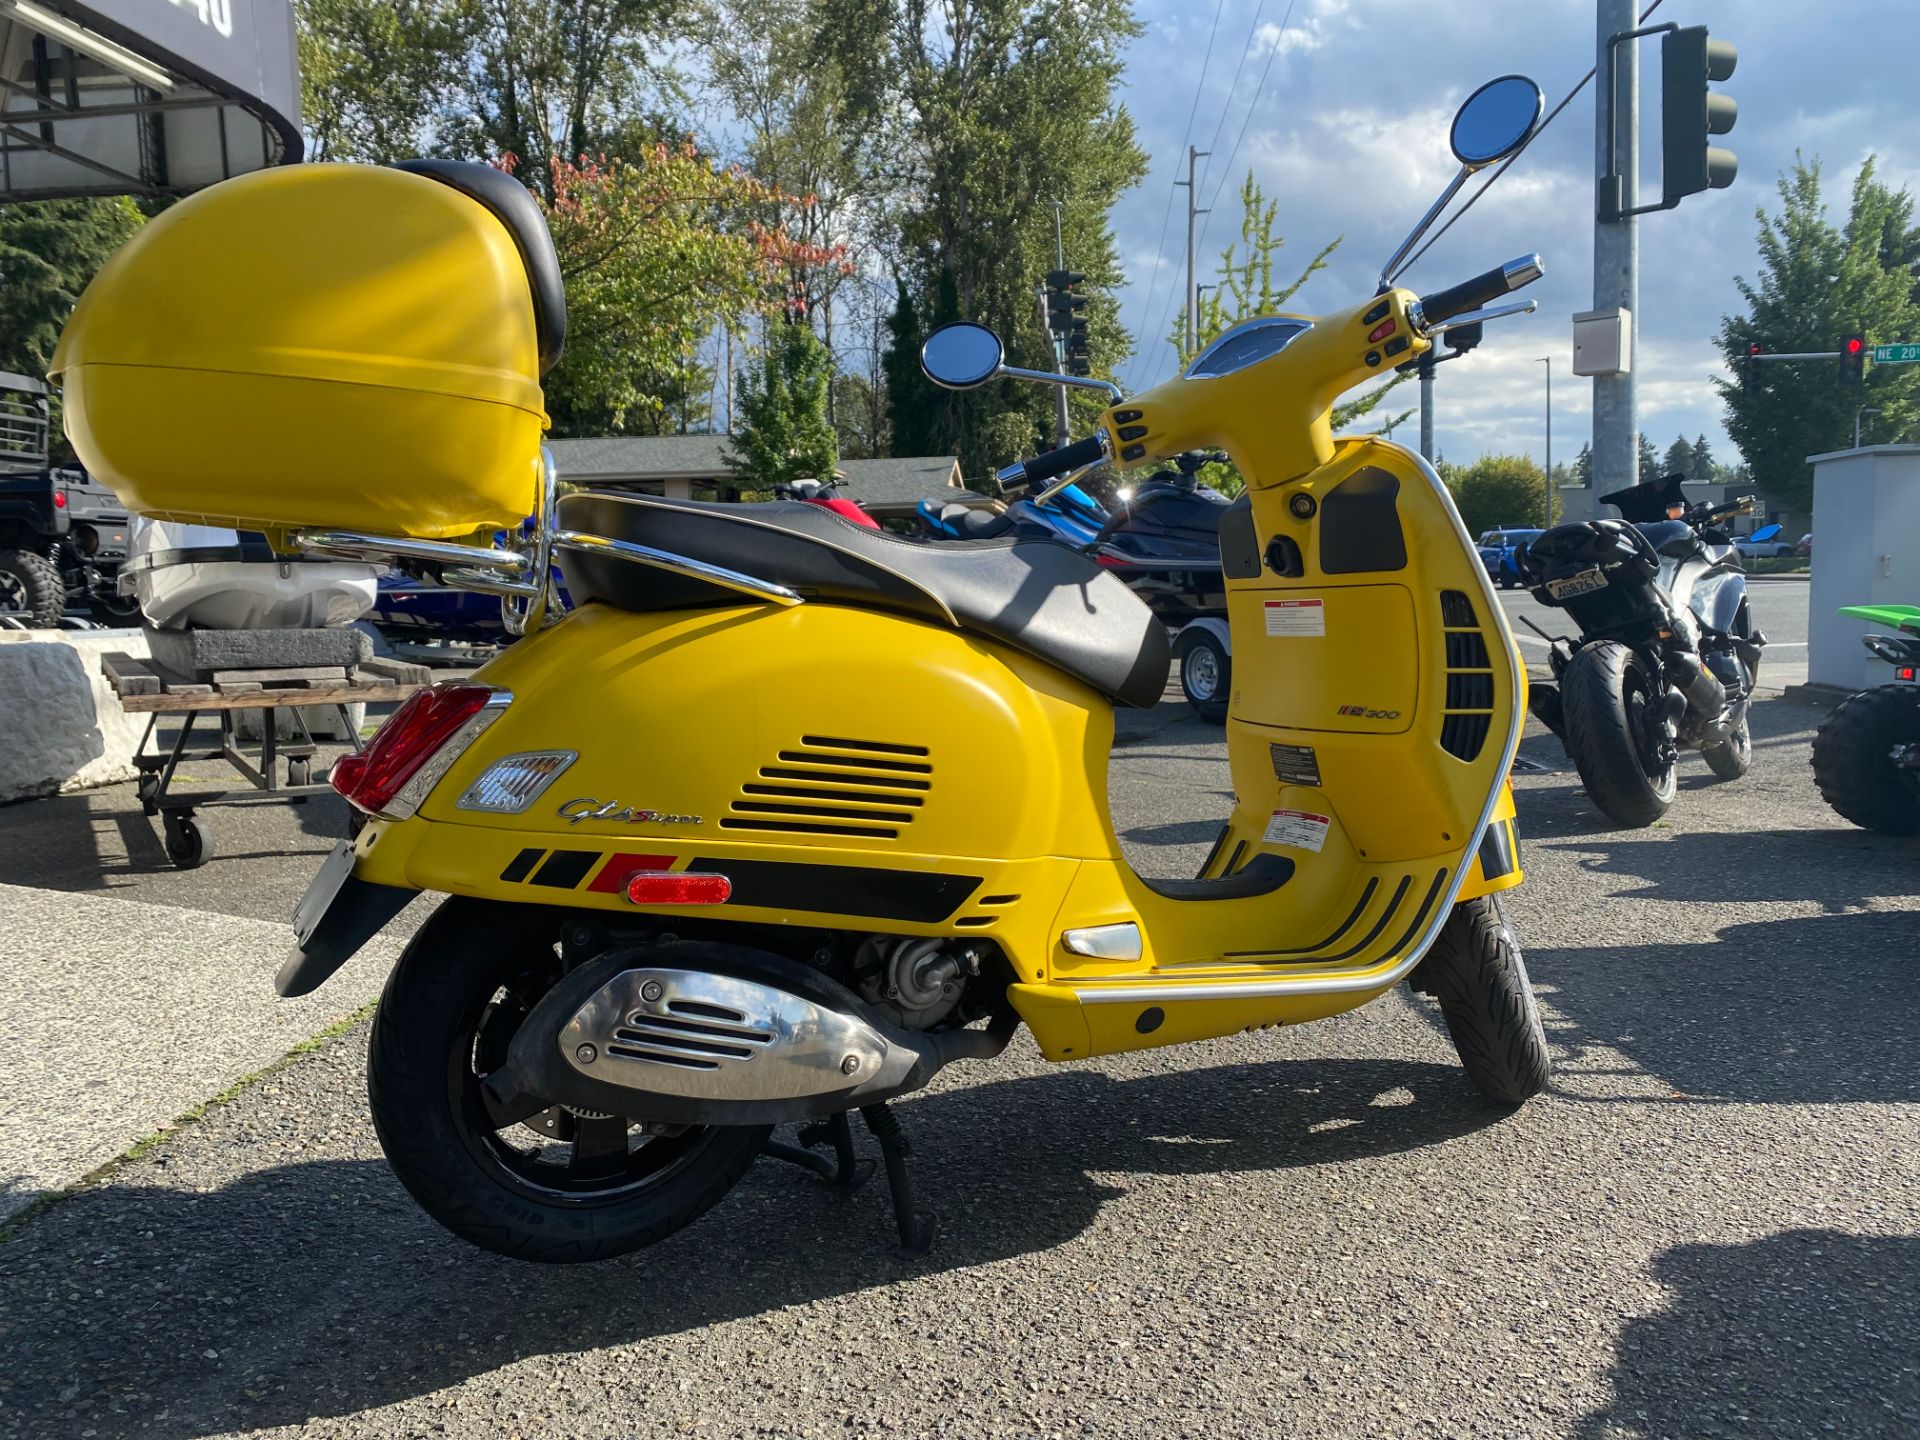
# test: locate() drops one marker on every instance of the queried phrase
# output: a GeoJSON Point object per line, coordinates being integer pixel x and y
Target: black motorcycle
{"type": "Point", "coordinates": [1667, 653]}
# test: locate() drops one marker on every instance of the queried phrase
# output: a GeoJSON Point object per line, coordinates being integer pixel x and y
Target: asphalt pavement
{"type": "Point", "coordinates": [1709, 1227]}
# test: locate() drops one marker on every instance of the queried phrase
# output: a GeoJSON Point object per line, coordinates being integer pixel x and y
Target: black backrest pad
{"type": "Point", "coordinates": [513, 206]}
{"type": "Point", "coordinates": [1034, 595]}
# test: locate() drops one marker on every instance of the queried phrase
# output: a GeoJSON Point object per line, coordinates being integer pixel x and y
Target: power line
{"type": "Point", "coordinates": [1552, 115]}
{"type": "Point", "coordinates": [1186, 138]}
{"type": "Point", "coordinates": [1233, 86]}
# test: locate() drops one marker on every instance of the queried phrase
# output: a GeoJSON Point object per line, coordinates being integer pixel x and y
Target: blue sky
{"type": "Point", "coordinates": [1348, 144]}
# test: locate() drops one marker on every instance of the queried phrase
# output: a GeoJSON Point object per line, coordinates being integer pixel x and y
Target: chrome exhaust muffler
{"type": "Point", "coordinates": [764, 1042]}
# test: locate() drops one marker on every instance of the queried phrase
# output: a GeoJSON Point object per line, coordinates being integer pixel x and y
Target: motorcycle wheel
{"type": "Point", "coordinates": [1857, 760]}
{"type": "Point", "coordinates": [561, 1187]}
{"type": "Point", "coordinates": [1607, 695]}
{"type": "Point", "coordinates": [1734, 758]}
{"type": "Point", "coordinates": [1206, 676]}
{"type": "Point", "coordinates": [1476, 972]}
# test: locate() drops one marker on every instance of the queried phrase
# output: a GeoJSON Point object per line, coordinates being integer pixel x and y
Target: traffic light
{"type": "Point", "coordinates": [1853, 360]}
{"type": "Point", "coordinates": [1750, 366]}
{"type": "Point", "coordinates": [1079, 358]}
{"type": "Point", "coordinates": [1062, 303]}
{"type": "Point", "coordinates": [1690, 112]}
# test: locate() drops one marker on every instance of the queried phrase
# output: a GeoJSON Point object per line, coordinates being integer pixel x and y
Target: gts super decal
{"type": "Point", "coordinates": [587, 808]}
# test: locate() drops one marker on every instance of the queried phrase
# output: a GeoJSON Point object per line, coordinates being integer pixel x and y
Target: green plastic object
{"type": "Point", "coordinates": [1900, 617]}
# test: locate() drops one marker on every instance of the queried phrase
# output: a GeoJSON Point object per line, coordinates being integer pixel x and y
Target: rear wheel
{"type": "Point", "coordinates": [1621, 747]}
{"type": "Point", "coordinates": [563, 1186]}
{"type": "Point", "coordinates": [1866, 760]}
{"type": "Point", "coordinates": [1476, 972]}
{"type": "Point", "coordinates": [30, 587]}
{"type": "Point", "coordinates": [1206, 674]}
{"type": "Point", "coordinates": [1732, 759]}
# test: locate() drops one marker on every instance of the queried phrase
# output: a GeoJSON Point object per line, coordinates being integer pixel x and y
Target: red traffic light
{"type": "Point", "coordinates": [1853, 345]}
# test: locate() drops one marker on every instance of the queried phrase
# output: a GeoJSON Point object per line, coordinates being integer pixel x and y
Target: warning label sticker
{"type": "Point", "coordinates": [1298, 830]}
{"type": "Point", "coordinates": [1295, 765]}
{"type": "Point", "coordinates": [1296, 617]}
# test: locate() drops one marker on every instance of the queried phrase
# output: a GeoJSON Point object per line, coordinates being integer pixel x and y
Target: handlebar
{"type": "Point", "coordinates": [1089, 451]}
{"type": "Point", "coordinates": [1443, 305]}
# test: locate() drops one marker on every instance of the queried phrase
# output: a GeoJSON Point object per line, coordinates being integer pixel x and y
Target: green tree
{"type": "Point", "coordinates": [1816, 282]}
{"type": "Point", "coordinates": [1679, 458]}
{"type": "Point", "coordinates": [994, 110]}
{"type": "Point", "coordinates": [1703, 470]}
{"type": "Point", "coordinates": [1583, 467]}
{"type": "Point", "coordinates": [784, 434]}
{"type": "Point", "coordinates": [374, 74]}
{"type": "Point", "coordinates": [1498, 491]}
{"type": "Point", "coordinates": [859, 412]}
{"type": "Point", "coordinates": [1649, 461]}
{"type": "Point", "coordinates": [49, 250]}
{"type": "Point", "coordinates": [650, 262]}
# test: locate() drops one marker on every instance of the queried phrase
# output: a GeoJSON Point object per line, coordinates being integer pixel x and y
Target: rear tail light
{"type": "Point", "coordinates": [688, 887]}
{"type": "Point", "coordinates": [417, 745]}
{"type": "Point", "coordinates": [1904, 674]}
{"type": "Point", "coordinates": [59, 500]}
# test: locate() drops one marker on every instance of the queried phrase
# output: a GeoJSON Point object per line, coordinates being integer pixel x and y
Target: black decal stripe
{"type": "Point", "coordinates": [1393, 905]}
{"type": "Point", "coordinates": [518, 867]}
{"type": "Point", "coordinates": [1373, 884]}
{"type": "Point", "coordinates": [1496, 852]}
{"type": "Point", "coordinates": [925, 897]}
{"type": "Point", "coordinates": [566, 868]}
{"type": "Point", "coordinates": [1426, 907]}
{"type": "Point", "coordinates": [1219, 843]}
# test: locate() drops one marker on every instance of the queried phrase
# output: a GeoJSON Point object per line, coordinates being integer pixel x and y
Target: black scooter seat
{"type": "Point", "coordinates": [1037, 596]}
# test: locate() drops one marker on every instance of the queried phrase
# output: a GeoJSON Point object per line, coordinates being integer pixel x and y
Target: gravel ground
{"type": "Point", "coordinates": [1708, 1228]}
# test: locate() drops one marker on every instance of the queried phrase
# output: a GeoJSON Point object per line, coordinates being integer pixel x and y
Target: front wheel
{"type": "Point", "coordinates": [1477, 974]}
{"type": "Point", "coordinates": [563, 1186]}
{"type": "Point", "coordinates": [1866, 760]}
{"type": "Point", "coordinates": [1618, 741]}
{"type": "Point", "coordinates": [1206, 674]}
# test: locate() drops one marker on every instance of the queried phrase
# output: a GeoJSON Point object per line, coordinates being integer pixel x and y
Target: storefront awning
{"type": "Point", "coordinates": [143, 97]}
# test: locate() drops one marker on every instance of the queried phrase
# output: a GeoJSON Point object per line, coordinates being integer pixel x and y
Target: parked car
{"type": "Point", "coordinates": [1497, 548]}
{"type": "Point", "coordinates": [1805, 548]}
{"type": "Point", "coordinates": [1768, 542]}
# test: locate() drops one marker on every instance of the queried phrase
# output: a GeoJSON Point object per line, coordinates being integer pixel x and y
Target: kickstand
{"type": "Point", "coordinates": [916, 1226]}
{"type": "Point", "coordinates": [844, 1171]}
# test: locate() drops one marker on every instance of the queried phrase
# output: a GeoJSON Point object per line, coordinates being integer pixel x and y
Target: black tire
{"type": "Point", "coordinates": [30, 586]}
{"type": "Point", "coordinates": [1206, 674]}
{"type": "Point", "coordinates": [186, 839]}
{"type": "Point", "coordinates": [448, 1010]}
{"type": "Point", "coordinates": [1733, 759]}
{"type": "Point", "coordinates": [1854, 765]}
{"type": "Point", "coordinates": [1476, 972]}
{"type": "Point", "coordinates": [1604, 695]}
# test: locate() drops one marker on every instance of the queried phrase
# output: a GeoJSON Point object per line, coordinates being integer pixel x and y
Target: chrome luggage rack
{"type": "Point", "coordinates": [520, 571]}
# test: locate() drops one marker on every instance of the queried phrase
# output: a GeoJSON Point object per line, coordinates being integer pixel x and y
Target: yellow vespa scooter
{"type": "Point", "coordinates": [789, 814]}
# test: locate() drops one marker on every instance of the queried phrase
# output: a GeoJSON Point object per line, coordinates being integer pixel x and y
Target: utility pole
{"type": "Point", "coordinates": [1424, 369]}
{"type": "Point", "coordinates": [1616, 243]}
{"type": "Point", "coordinates": [1193, 293]}
{"type": "Point", "coordinates": [1547, 360]}
{"type": "Point", "coordinates": [1060, 350]}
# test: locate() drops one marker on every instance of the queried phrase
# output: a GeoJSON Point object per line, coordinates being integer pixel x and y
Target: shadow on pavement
{"type": "Point", "coordinates": [1842, 869]}
{"type": "Point", "coordinates": [1794, 1011]}
{"type": "Point", "coordinates": [1809, 1332]}
{"type": "Point", "coordinates": [319, 1290]}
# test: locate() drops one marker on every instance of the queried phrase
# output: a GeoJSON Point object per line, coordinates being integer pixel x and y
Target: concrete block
{"type": "Point", "coordinates": [61, 726]}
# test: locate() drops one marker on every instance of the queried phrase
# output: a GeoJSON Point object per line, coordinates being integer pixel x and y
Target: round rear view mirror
{"type": "Point", "coordinates": [1496, 120]}
{"type": "Point", "coordinates": [962, 355]}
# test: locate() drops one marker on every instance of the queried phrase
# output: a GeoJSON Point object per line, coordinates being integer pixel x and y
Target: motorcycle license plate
{"type": "Point", "coordinates": [1585, 583]}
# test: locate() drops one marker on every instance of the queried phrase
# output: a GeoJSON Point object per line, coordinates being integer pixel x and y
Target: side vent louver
{"type": "Point", "coordinates": [1468, 714]}
{"type": "Point", "coordinates": [828, 785]}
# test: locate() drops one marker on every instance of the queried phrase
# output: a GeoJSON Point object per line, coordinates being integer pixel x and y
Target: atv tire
{"type": "Point", "coordinates": [1477, 974]}
{"type": "Point", "coordinates": [1605, 693]}
{"type": "Point", "coordinates": [30, 585]}
{"type": "Point", "coordinates": [1854, 765]}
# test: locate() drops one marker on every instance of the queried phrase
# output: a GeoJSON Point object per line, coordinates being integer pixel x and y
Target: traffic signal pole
{"type": "Point", "coordinates": [1616, 241]}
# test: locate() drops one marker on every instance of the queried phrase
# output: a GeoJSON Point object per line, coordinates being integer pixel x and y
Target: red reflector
{"type": "Point", "coordinates": [662, 887]}
{"type": "Point", "coordinates": [1112, 561]}
{"type": "Point", "coordinates": [1905, 672]}
{"type": "Point", "coordinates": [59, 499]}
{"type": "Point", "coordinates": [1382, 330]}
{"type": "Point", "coordinates": [422, 724]}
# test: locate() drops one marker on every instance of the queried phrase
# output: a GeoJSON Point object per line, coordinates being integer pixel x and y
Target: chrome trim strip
{"type": "Point", "coordinates": [360, 545]}
{"type": "Point", "coordinates": [1134, 990]}
{"type": "Point", "coordinates": [677, 565]}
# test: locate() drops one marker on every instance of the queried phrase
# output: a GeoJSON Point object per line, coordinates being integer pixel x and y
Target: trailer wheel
{"type": "Point", "coordinates": [1206, 674]}
{"type": "Point", "coordinates": [187, 845]}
